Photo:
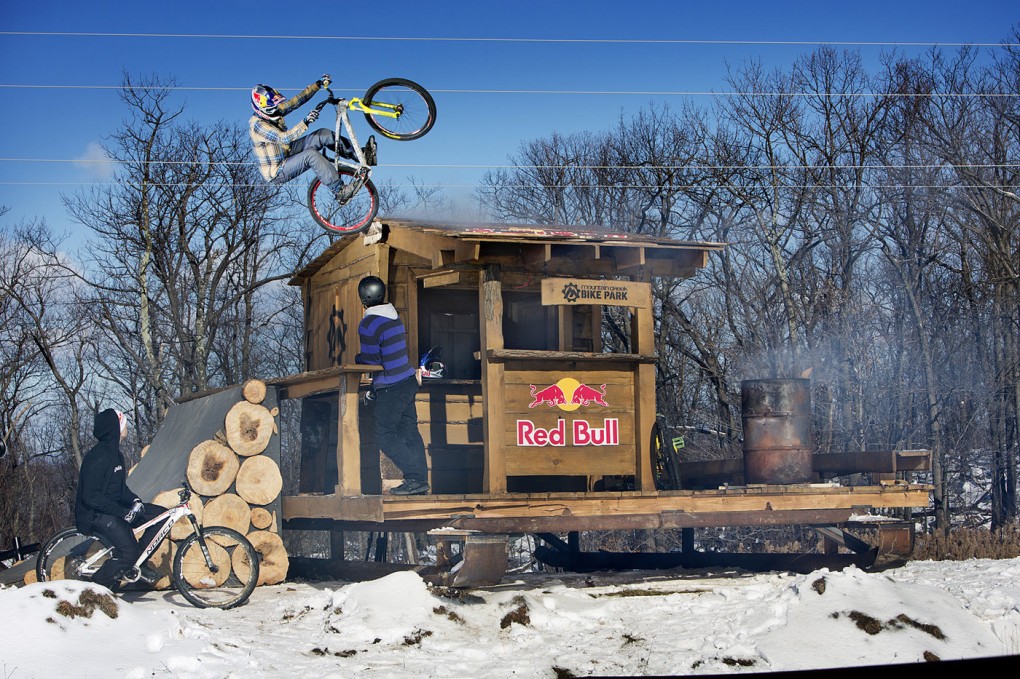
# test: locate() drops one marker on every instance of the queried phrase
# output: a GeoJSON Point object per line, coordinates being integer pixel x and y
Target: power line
{"type": "Point", "coordinates": [614, 93]}
{"type": "Point", "coordinates": [589, 41]}
{"type": "Point", "coordinates": [677, 187]}
{"type": "Point", "coordinates": [558, 166]}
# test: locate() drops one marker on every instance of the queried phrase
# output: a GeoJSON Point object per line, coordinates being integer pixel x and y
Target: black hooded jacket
{"type": "Point", "coordinates": [102, 486]}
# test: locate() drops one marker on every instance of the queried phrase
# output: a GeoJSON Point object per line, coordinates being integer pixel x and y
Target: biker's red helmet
{"type": "Point", "coordinates": [265, 101]}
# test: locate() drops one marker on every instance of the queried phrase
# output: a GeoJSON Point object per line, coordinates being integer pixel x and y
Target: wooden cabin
{"type": "Point", "coordinates": [533, 427]}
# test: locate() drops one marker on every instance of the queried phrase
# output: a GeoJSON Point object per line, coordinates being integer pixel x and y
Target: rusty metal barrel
{"type": "Point", "coordinates": [776, 415]}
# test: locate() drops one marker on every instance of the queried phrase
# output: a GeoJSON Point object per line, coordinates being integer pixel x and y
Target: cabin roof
{"type": "Point", "coordinates": [449, 243]}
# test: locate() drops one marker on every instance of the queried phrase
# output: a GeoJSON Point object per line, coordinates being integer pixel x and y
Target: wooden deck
{"type": "Point", "coordinates": [806, 504]}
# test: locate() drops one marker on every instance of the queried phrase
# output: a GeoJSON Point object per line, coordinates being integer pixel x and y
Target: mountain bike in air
{"type": "Point", "coordinates": [396, 108]}
{"type": "Point", "coordinates": [214, 567]}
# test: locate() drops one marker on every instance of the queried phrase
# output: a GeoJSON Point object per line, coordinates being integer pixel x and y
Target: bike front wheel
{"type": "Point", "coordinates": [230, 579]}
{"type": "Point", "coordinates": [351, 217]}
{"type": "Point", "coordinates": [404, 110]}
{"type": "Point", "coordinates": [71, 555]}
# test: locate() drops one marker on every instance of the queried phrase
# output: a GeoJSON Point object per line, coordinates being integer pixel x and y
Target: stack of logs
{"type": "Point", "coordinates": [232, 483]}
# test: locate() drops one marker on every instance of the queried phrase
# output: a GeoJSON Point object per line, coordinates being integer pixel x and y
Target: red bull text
{"type": "Point", "coordinates": [583, 433]}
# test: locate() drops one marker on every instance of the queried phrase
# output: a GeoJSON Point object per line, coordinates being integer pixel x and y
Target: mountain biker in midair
{"type": "Point", "coordinates": [283, 154]}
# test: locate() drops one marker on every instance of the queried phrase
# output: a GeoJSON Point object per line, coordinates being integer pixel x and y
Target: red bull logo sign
{"type": "Point", "coordinates": [568, 394]}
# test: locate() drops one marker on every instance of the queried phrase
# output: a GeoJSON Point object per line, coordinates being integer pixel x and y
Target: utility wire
{"type": "Point", "coordinates": [561, 41]}
{"type": "Point", "coordinates": [551, 166]}
{"type": "Point", "coordinates": [619, 93]}
{"type": "Point", "coordinates": [677, 187]}
{"type": "Point", "coordinates": [590, 41]}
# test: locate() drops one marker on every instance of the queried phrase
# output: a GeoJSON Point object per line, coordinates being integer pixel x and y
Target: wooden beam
{"type": "Point", "coordinates": [315, 506]}
{"type": "Point", "coordinates": [348, 449]}
{"type": "Point", "coordinates": [441, 279]}
{"type": "Point", "coordinates": [629, 257]}
{"type": "Point", "coordinates": [491, 331]}
{"type": "Point", "coordinates": [536, 255]}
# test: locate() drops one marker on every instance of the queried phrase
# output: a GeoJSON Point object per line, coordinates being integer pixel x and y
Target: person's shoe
{"type": "Point", "coordinates": [410, 487]}
{"type": "Point", "coordinates": [149, 575]}
{"type": "Point", "coordinates": [345, 193]}
{"type": "Point", "coordinates": [370, 151]}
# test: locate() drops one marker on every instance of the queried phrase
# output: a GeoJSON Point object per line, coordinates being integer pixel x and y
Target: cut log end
{"type": "Point", "coordinates": [254, 391]}
{"type": "Point", "coordinates": [212, 467]}
{"type": "Point", "coordinates": [259, 480]}
{"type": "Point", "coordinates": [273, 561]}
{"type": "Point", "coordinates": [249, 428]}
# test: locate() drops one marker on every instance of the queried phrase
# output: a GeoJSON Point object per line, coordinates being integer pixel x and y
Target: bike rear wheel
{"type": "Point", "coordinates": [353, 216]}
{"type": "Point", "coordinates": [413, 103]}
{"type": "Point", "coordinates": [64, 555]}
{"type": "Point", "coordinates": [234, 574]}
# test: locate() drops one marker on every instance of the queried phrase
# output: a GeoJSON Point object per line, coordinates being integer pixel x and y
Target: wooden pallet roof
{"type": "Point", "coordinates": [550, 248]}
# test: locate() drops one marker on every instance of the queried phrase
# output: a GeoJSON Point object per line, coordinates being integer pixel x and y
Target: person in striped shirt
{"type": "Point", "coordinates": [384, 342]}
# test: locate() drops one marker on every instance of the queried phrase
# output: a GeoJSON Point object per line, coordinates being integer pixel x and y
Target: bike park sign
{"type": "Point", "coordinates": [573, 291]}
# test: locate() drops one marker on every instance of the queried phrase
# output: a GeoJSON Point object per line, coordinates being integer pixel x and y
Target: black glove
{"type": "Point", "coordinates": [312, 116]}
{"type": "Point", "coordinates": [136, 510]}
{"type": "Point", "coordinates": [324, 81]}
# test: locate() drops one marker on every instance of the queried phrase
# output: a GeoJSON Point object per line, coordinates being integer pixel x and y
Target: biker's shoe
{"type": "Point", "coordinates": [410, 487]}
{"type": "Point", "coordinates": [345, 193]}
{"type": "Point", "coordinates": [149, 575]}
{"type": "Point", "coordinates": [370, 151]}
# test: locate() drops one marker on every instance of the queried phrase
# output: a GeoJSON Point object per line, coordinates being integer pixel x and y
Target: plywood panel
{"type": "Point", "coordinates": [570, 461]}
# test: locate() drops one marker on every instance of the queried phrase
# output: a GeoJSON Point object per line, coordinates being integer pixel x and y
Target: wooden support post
{"type": "Point", "coordinates": [336, 545]}
{"type": "Point", "coordinates": [686, 540]}
{"type": "Point", "coordinates": [491, 312]}
{"type": "Point", "coordinates": [348, 449]}
{"type": "Point", "coordinates": [574, 541]}
{"type": "Point", "coordinates": [643, 342]}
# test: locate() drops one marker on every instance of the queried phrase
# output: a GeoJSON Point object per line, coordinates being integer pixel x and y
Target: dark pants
{"type": "Point", "coordinates": [396, 429]}
{"type": "Point", "coordinates": [126, 549]}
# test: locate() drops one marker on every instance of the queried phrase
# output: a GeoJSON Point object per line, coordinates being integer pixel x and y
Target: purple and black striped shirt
{"type": "Point", "coordinates": [384, 342]}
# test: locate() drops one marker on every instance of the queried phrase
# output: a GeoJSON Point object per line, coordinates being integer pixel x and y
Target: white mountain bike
{"type": "Point", "coordinates": [214, 567]}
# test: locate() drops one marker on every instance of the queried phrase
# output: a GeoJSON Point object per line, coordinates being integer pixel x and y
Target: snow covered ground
{"type": "Point", "coordinates": [664, 623]}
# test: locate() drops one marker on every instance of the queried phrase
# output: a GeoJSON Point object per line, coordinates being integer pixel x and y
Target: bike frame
{"type": "Point", "coordinates": [362, 169]}
{"type": "Point", "coordinates": [170, 517]}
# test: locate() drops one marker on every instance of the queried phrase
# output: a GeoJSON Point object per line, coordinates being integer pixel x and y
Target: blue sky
{"type": "Point", "coordinates": [61, 98]}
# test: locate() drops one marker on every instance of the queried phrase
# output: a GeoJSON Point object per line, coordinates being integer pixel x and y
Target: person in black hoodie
{"type": "Point", "coordinates": [105, 506]}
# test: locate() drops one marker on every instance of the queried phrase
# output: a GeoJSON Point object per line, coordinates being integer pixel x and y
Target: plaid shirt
{"type": "Point", "coordinates": [272, 139]}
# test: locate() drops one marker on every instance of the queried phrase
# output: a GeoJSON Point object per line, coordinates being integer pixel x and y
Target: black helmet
{"type": "Point", "coordinates": [372, 291]}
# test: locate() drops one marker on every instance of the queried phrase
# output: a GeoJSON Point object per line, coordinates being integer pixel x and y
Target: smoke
{"type": "Point", "coordinates": [96, 163]}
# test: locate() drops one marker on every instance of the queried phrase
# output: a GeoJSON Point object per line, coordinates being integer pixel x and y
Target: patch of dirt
{"type": "Point", "coordinates": [874, 626]}
{"type": "Point", "coordinates": [739, 662]}
{"type": "Point", "coordinates": [924, 627]}
{"type": "Point", "coordinates": [452, 615]}
{"type": "Point", "coordinates": [563, 673]}
{"type": "Point", "coordinates": [819, 585]}
{"type": "Point", "coordinates": [415, 639]}
{"type": "Point", "coordinates": [518, 615]}
{"type": "Point", "coordinates": [931, 657]}
{"type": "Point", "coordinates": [865, 622]}
{"type": "Point", "coordinates": [88, 602]}
{"type": "Point", "coordinates": [647, 592]}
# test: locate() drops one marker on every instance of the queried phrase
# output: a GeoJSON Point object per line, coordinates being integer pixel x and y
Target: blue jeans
{"type": "Point", "coordinates": [305, 155]}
